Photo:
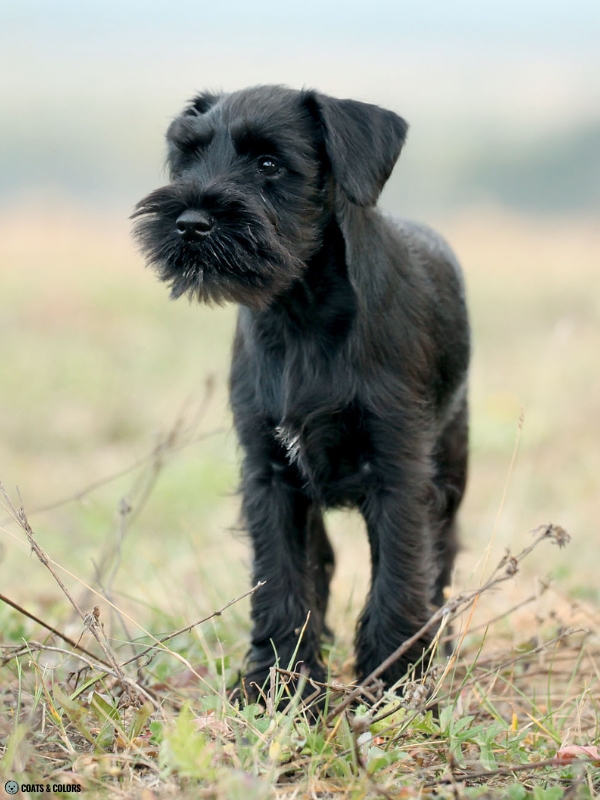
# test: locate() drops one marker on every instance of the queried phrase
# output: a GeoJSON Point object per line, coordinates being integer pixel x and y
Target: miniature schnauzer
{"type": "Point", "coordinates": [350, 359]}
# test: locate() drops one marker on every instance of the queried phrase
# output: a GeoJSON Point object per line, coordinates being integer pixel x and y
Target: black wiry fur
{"type": "Point", "coordinates": [348, 381]}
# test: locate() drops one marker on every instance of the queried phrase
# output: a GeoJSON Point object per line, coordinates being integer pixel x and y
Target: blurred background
{"type": "Point", "coordinates": [114, 422]}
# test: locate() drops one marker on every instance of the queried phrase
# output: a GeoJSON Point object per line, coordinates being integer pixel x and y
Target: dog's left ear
{"type": "Point", "coordinates": [362, 141]}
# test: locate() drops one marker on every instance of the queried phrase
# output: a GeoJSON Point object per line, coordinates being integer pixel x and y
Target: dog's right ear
{"type": "Point", "coordinates": [362, 142]}
{"type": "Point", "coordinates": [200, 104]}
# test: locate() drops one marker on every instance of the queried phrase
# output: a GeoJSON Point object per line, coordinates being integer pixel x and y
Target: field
{"type": "Point", "coordinates": [116, 438]}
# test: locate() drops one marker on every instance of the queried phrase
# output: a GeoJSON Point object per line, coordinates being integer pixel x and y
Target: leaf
{"type": "Point", "coordinates": [486, 756]}
{"type": "Point", "coordinates": [395, 718]}
{"type": "Point", "coordinates": [211, 724]}
{"type": "Point", "coordinates": [66, 702]}
{"type": "Point", "coordinates": [103, 709]}
{"type": "Point", "coordinates": [379, 759]}
{"type": "Point", "coordinates": [186, 750]}
{"type": "Point", "coordinates": [459, 725]}
{"type": "Point", "coordinates": [446, 717]}
{"type": "Point", "coordinates": [139, 719]}
{"type": "Point", "coordinates": [550, 793]}
{"type": "Point", "coordinates": [274, 751]}
{"type": "Point", "coordinates": [108, 716]}
{"type": "Point", "coordinates": [75, 712]}
{"type": "Point", "coordinates": [575, 752]}
{"type": "Point", "coordinates": [156, 730]}
{"type": "Point", "coordinates": [88, 684]}
{"type": "Point", "coordinates": [517, 792]}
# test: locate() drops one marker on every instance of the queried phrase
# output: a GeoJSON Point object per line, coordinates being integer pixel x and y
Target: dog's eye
{"type": "Point", "coordinates": [268, 166]}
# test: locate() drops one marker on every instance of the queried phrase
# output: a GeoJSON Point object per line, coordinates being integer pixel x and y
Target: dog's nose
{"type": "Point", "coordinates": [194, 225]}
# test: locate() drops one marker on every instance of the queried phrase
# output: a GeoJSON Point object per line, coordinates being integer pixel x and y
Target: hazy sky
{"type": "Point", "coordinates": [451, 53]}
{"type": "Point", "coordinates": [89, 86]}
{"type": "Point", "coordinates": [556, 23]}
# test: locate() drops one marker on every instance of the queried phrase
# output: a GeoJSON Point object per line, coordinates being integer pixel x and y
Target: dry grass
{"type": "Point", "coordinates": [100, 373]}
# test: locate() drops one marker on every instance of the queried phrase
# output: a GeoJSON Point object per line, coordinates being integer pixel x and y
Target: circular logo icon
{"type": "Point", "coordinates": [12, 787]}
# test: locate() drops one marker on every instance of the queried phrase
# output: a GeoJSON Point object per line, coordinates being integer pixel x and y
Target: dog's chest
{"type": "Point", "coordinates": [300, 367]}
{"type": "Point", "coordinates": [320, 427]}
{"type": "Point", "coordinates": [330, 449]}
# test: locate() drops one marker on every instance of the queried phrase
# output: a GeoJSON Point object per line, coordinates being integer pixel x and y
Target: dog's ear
{"type": "Point", "coordinates": [362, 142]}
{"type": "Point", "coordinates": [200, 104]}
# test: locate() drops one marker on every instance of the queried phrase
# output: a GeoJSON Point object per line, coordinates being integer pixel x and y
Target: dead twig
{"type": "Point", "coordinates": [45, 625]}
{"type": "Point", "coordinates": [32, 646]}
{"type": "Point", "coordinates": [179, 433]}
{"type": "Point", "coordinates": [508, 770]}
{"type": "Point", "coordinates": [497, 668]}
{"type": "Point", "coordinates": [358, 727]}
{"type": "Point", "coordinates": [544, 586]}
{"type": "Point", "coordinates": [90, 620]}
{"type": "Point", "coordinates": [175, 446]}
{"type": "Point", "coordinates": [168, 637]}
{"type": "Point", "coordinates": [506, 569]}
{"type": "Point", "coordinates": [114, 476]}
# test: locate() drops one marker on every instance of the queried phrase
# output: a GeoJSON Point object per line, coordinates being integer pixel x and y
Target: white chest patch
{"type": "Point", "coordinates": [290, 439]}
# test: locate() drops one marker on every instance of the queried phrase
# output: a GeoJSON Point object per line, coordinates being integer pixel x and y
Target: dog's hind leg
{"type": "Point", "coordinates": [321, 565]}
{"type": "Point", "coordinates": [451, 461]}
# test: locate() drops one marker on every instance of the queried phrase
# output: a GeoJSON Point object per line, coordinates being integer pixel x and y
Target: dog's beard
{"type": "Point", "coordinates": [243, 259]}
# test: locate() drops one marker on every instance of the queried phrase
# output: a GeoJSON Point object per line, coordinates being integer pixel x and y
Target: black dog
{"type": "Point", "coordinates": [348, 382]}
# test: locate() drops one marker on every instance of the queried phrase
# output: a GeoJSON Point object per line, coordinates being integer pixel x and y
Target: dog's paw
{"type": "Point", "coordinates": [282, 690]}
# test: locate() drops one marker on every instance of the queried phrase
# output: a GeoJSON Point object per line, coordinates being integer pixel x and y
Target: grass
{"type": "Point", "coordinates": [493, 720]}
{"type": "Point", "coordinates": [113, 419]}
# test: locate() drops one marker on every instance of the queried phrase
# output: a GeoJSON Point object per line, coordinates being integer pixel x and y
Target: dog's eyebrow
{"type": "Point", "coordinates": [189, 133]}
{"type": "Point", "coordinates": [252, 139]}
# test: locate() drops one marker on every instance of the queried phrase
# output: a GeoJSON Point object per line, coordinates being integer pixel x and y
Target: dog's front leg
{"type": "Point", "coordinates": [276, 513]}
{"type": "Point", "coordinates": [398, 601]}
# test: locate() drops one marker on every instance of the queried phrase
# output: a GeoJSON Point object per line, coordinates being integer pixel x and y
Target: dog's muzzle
{"type": "Point", "coordinates": [193, 226]}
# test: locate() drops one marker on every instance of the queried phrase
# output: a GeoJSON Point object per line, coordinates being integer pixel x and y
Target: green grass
{"type": "Point", "coordinates": [505, 708]}
{"type": "Point", "coordinates": [102, 373]}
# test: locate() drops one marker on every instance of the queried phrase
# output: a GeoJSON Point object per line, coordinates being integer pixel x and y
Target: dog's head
{"type": "Point", "coordinates": [254, 179]}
